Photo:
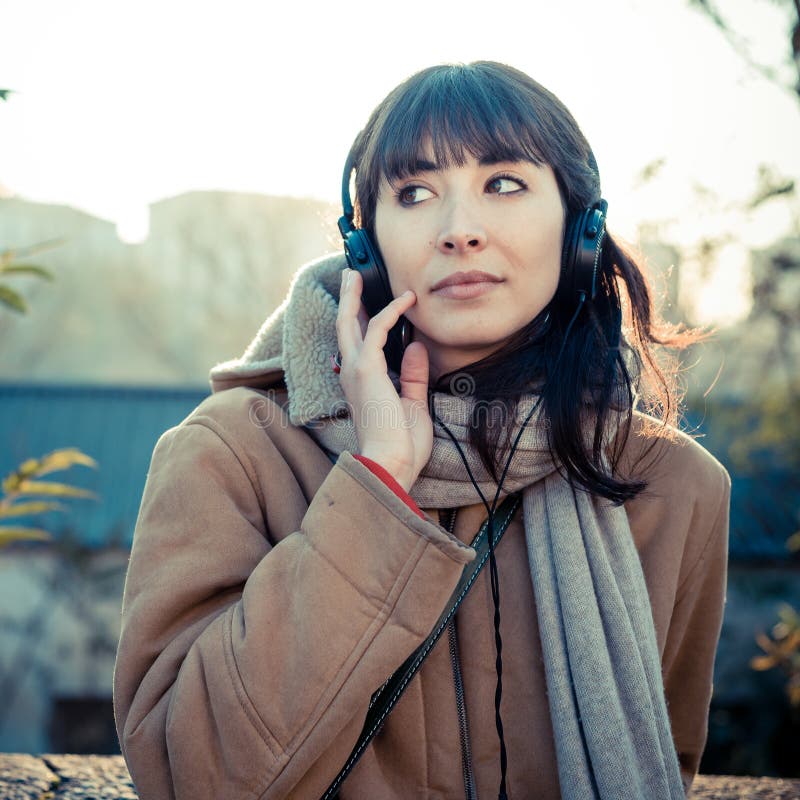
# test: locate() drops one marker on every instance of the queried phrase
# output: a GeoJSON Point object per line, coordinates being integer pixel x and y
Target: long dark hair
{"type": "Point", "coordinates": [613, 361]}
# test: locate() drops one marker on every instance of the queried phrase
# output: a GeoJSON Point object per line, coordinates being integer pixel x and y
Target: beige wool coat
{"type": "Point", "coordinates": [270, 592]}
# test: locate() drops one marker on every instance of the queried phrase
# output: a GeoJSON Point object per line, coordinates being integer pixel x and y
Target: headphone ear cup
{"type": "Point", "coordinates": [364, 257]}
{"type": "Point", "coordinates": [581, 254]}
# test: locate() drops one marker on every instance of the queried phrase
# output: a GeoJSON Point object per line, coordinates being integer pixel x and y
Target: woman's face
{"type": "Point", "coordinates": [504, 219]}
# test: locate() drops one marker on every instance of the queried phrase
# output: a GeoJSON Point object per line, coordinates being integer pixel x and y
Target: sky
{"type": "Point", "coordinates": [120, 104]}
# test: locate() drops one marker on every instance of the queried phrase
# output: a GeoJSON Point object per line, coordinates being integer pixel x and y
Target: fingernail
{"type": "Point", "coordinates": [349, 279]}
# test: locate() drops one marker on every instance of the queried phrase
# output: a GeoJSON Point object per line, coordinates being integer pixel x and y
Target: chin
{"type": "Point", "coordinates": [470, 343]}
{"type": "Point", "coordinates": [466, 335]}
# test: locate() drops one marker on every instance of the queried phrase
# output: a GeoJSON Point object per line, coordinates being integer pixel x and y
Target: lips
{"type": "Point", "coordinates": [473, 276]}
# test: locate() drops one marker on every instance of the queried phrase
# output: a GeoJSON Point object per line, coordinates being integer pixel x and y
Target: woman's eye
{"type": "Point", "coordinates": [410, 195]}
{"type": "Point", "coordinates": [504, 184]}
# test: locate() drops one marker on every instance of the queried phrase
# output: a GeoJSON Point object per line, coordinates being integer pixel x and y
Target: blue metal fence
{"type": "Point", "coordinates": [119, 425]}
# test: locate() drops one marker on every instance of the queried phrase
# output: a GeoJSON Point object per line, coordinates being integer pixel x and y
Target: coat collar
{"type": "Point", "coordinates": [294, 345]}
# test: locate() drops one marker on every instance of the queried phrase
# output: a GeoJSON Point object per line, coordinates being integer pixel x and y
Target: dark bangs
{"type": "Point", "coordinates": [494, 112]}
{"type": "Point", "coordinates": [476, 109]}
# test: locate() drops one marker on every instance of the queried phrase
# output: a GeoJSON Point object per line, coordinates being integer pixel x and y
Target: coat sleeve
{"type": "Point", "coordinates": [245, 669]}
{"type": "Point", "coordinates": [693, 635]}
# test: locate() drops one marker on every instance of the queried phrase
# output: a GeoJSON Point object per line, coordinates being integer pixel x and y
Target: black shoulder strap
{"type": "Point", "coordinates": [384, 700]}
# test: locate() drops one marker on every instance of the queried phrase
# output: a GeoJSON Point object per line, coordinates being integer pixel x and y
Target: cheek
{"type": "Point", "coordinates": [539, 251]}
{"type": "Point", "coordinates": [539, 257]}
{"type": "Point", "coordinates": [390, 249]}
{"type": "Point", "coordinates": [384, 241]}
{"type": "Point", "coordinates": [549, 243]}
{"type": "Point", "coordinates": [403, 252]}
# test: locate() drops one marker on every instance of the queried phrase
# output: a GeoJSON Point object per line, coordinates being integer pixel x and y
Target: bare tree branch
{"type": "Point", "coordinates": [739, 43]}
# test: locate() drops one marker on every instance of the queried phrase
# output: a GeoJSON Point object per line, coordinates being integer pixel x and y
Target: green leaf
{"type": "Point", "coordinates": [28, 269]}
{"type": "Point", "coordinates": [8, 535]}
{"type": "Point", "coordinates": [25, 509]}
{"type": "Point", "coordinates": [12, 299]}
{"type": "Point", "coordinates": [4, 93]}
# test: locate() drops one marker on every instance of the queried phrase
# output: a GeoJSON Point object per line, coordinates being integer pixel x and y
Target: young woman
{"type": "Point", "coordinates": [303, 530]}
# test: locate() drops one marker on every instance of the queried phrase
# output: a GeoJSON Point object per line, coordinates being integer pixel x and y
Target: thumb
{"type": "Point", "coordinates": [414, 373]}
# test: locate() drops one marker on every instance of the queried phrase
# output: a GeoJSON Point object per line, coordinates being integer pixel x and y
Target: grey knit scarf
{"type": "Point", "coordinates": [602, 667]}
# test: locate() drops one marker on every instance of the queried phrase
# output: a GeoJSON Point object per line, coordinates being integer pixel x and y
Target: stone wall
{"type": "Point", "coordinates": [73, 777]}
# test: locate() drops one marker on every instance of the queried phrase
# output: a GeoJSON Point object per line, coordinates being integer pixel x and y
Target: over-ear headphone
{"type": "Point", "coordinates": [362, 253]}
{"type": "Point", "coordinates": [581, 254]}
{"type": "Point", "coordinates": [364, 256]}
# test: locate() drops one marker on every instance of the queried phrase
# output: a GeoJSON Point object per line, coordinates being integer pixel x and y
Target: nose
{"type": "Point", "coordinates": [461, 232]}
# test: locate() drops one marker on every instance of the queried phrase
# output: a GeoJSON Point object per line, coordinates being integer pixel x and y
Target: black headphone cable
{"type": "Point", "coordinates": [495, 582]}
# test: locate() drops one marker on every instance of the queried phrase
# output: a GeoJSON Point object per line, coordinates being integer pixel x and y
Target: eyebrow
{"type": "Point", "coordinates": [422, 165]}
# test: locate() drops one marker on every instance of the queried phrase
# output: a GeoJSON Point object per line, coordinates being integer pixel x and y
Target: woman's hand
{"type": "Point", "coordinates": [395, 431]}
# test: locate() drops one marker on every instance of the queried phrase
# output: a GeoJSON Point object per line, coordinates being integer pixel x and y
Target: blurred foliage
{"type": "Point", "coordinates": [782, 649]}
{"type": "Point", "coordinates": [9, 267]}
{"type": "Point", "coordinates": [771, 184]}
{"type": "Point", "coordinates": [22, 482]}
{"type": "Point", "coordinates": [22, 485]}
{"type": "Point", "coordinates": [766, 429]}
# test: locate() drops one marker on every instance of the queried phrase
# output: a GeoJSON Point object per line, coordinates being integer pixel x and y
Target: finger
{"type": "Point", "coordinates": [348, 328]}
{"type": "Point", "coordinates": [386, 318]}
{"type": "Point", "coordinates": [414, 373]}
{"type": "Point", "coordinates": [353, 302]}
{"type": "Point", "coordinates": [363, 320]}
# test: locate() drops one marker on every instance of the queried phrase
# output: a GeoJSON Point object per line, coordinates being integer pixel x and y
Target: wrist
{"type": "Point", "coordinates": [402, 474]}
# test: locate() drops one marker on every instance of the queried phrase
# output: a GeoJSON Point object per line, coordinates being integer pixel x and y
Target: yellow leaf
{"type": "Point", "coordinates": [52, 462]}
{"type": "Point", "coordinates": [8, 535]}
{"type": "Point", "coordinates": [24, 509]}
{"type": "Point", "coordinates": [28, 467]}
{"type": "Point", "coordinates": [764, 642]}
{"type": "Point", "coordinates": [53, 489]}
{"type": "Point", "coordinates": [760, 663]}
{"type": "Point", "coordinates": [64, 459]}
{"type": "Point", "coordinates": [793, 542]}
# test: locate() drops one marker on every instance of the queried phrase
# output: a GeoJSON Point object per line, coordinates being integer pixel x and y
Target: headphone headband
{"type": "Point", "coordinates": [347, 203]}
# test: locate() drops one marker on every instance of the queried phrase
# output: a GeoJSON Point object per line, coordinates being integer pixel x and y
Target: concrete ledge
{"type": "Point", "coordinates": [50, 777]}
